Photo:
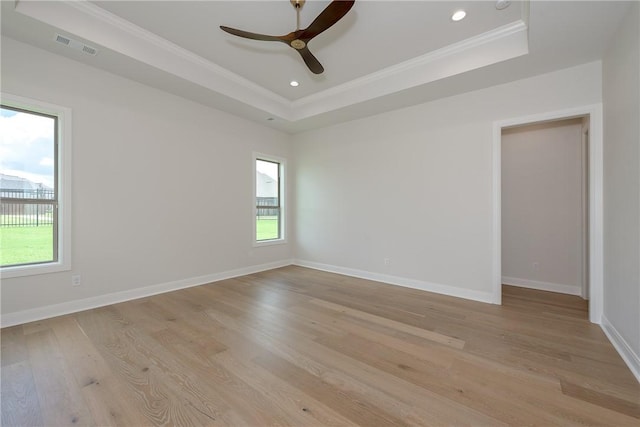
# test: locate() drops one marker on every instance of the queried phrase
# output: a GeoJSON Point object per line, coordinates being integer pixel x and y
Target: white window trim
{"type": "Point", "coordinates": [283, 200]}
{"type": "Point", "coordinates": [64, 186]}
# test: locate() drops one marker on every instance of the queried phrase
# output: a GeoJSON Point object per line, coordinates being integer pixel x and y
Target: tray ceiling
{"type": "Point", "coordinates": [381, 55]}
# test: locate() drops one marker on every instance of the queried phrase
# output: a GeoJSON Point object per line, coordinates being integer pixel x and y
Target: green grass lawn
{"type": "Point", "coordinates": [23, 245]}
{"type": "Point", "coordinates": [266, 228]}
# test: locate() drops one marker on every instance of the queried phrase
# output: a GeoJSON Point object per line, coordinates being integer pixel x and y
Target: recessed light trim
{"type": "Point", "coordinates": [458, 15]}
{"type": "Point", "coordinates": [502, 4]}
{"type": "Point", "coordinates": [294, 83]}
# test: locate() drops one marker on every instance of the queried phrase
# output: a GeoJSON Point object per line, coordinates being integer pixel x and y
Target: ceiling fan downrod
{"type": "Point", "coordinates": [297, 4]}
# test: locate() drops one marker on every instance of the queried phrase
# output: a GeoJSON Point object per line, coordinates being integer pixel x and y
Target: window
{"type": "Point", "coordinates": [34, 187]}
{"type": "Point", "coordinates": [269, 177]}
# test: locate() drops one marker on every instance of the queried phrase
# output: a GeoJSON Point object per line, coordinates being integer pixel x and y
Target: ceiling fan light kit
{"type": "Point", "coordinates": [299, 39]}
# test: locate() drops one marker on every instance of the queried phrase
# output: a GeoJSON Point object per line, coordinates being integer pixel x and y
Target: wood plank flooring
{"type": "Point", "coordinates": [300, 347]}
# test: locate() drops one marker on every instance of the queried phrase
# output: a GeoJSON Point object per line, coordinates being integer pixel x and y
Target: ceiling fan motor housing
{"type": "Point", "coordinates": [298, 44]}
{"type": "Point", "coordinates": [299, 38]}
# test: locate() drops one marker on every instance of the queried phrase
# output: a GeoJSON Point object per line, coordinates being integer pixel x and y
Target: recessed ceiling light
{"type": "Point", "coordinates": [294, 83]}
{"type": "Point", "coordinates": [458, 15]}
{"type": "Point", "coordinates": [502, 4]}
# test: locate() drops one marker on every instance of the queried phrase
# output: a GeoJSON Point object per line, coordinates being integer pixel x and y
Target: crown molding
{"type": "Point", "coordinates": [500, 44]}
{"type": "Point", "coordinates": [147, 36]}
{"type": "Point", "coordinates": [90, 22]}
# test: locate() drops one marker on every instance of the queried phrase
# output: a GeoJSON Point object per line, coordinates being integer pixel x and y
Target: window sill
{"type": "Point", "coordinates": [32, 270]}
{"type": "Point", "coordinates": [257, 244]}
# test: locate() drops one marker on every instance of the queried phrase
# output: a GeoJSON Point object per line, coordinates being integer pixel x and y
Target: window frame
{"type": "Point", "coordinates": [62, 232]}
{"type": "Point", "coordinates": [281, 199]}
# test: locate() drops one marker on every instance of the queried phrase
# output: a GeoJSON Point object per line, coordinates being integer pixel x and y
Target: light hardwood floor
{"type": "Point", "coordinates": [300, 347]}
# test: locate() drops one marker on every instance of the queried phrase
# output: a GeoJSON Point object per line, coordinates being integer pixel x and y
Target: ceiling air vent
{"type": "Point", "coordinates": [89, 50]}
{"type": "Point", "coordinates": [75, 44]}
{"type": "Point", "coordinates": [62, 39]}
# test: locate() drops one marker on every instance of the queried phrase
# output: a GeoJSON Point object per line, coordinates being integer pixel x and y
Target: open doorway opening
{"type": "Point", "coordinates": [545, 202]}
{"type": "Point", "coordinates": [590, 117]}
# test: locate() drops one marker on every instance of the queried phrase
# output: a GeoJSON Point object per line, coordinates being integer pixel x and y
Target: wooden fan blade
{"type": "Point", "coordinates": [253, 36]}
{"type": "Point", "coordinates": [329, 16]}
{"type": "Point", "coordinates": [312, 62]}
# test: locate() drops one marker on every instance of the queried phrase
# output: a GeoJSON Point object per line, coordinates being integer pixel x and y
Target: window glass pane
{"type": "Point", "coordinates": [27, 183]}
{"type": "Point", "coordinates": [267, 200]}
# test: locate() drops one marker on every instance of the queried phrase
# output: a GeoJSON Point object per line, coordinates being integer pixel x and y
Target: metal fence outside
{"type": "Point", "coordinates": [266, 201]}
{"type": "Point", "coordinates": [21, 213]}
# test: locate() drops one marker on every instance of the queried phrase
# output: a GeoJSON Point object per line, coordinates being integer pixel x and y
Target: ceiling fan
{"type": "Point", "coordinates": [299, 39]}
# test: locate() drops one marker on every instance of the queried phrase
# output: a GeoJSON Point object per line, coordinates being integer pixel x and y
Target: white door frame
{"type": "Point", "coordinates": [596, 263]}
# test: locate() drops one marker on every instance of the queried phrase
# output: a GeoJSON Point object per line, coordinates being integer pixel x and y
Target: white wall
{"type": "Point", "coordinates": [542, 206]}
{"type": "Point", "coordinates": [411, 186]}
{"type": "Point", "coordinates": [621, 101]}
{"type": "Point", "coordinates": [162, 187]}
{"type": "Point", "coordinates": [414, 185]}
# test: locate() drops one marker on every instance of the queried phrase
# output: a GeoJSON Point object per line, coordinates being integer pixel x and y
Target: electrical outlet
{"type": "Point", "coordinates": [535, 266]}
{"type": "Point", "coordinates": [386, 261]}
{"type": "Point", "coordinates": [76, 280]}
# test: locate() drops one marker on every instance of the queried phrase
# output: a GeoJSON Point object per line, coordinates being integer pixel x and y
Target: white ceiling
{"type": "Point", "coordinates": [382, 55]}
{"type": "Point", "coordinates": [372, 36]}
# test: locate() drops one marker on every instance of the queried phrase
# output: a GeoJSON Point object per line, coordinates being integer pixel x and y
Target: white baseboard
{"type": "Point", "coordinates": [542, 286]}
{"type": "Point", "coordinates": [622, 347]}
{"type": "Point", "coordinates": [401, 281]}
{"type": "Point", "coordinates": [54, 310]}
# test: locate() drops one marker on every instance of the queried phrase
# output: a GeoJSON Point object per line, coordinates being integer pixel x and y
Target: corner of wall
{"type": "Point", "coordinates": [622, 347]}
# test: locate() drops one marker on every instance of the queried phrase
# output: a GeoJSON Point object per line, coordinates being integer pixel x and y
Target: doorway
{"type": "Point", "coordinates": [586, 271]}
{"type": "Point", "coordinates": [544, 206]}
